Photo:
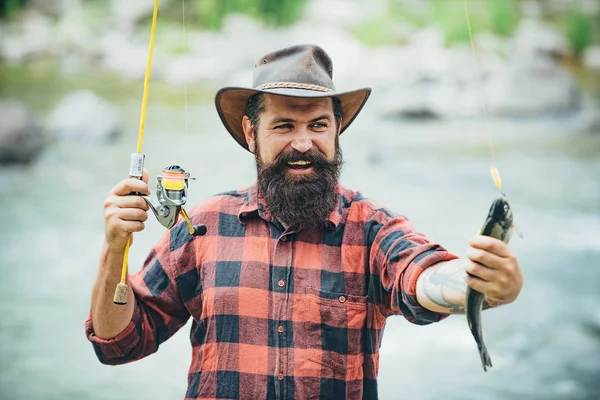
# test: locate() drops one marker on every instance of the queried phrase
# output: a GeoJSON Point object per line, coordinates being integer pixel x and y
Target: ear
{"type": "Point", "coordinates": [249, 133]}
{"type": "Point", "coordinates": [339, 126]}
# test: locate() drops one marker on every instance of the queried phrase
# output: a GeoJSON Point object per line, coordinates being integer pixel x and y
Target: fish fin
{"type": "Point", "coordinates": [518, 231]}
{"type": "Point", "coordinates": [486, 360]}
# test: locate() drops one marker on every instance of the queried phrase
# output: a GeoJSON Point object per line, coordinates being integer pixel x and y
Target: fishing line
{"type": "Point", "coordinates": [493, 170]}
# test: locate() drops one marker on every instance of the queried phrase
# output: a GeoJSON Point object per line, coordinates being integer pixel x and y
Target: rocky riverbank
{"type": "Point", "coordinates": [529, 74]}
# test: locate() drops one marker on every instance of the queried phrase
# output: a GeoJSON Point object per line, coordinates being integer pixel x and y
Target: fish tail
{"type": "Point", "coordinates": [486, 360]}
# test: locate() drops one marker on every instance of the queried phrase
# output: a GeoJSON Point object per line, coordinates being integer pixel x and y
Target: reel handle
{"type": "Point", "coordinates": [199, 230]}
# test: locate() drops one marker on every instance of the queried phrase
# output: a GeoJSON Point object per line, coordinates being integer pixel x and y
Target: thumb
{"type": "Point", "coordinates": [145, 175]}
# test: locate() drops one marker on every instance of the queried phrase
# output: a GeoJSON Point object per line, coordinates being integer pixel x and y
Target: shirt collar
{"type": "Point", "coordinates": [256, 205]}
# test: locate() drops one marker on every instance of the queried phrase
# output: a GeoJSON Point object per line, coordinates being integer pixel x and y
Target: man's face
{"type": "Point", "coordinates": [289, 123]}
{"type": "Point", "coordinates": [297, 157]}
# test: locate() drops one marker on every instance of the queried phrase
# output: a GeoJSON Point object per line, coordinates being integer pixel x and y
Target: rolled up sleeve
{"type": "Point", "coordinates": [399, 256]}
{"type": "Point", "coordinates": [159, 311]}
{"type": "Point", "coordinates": [120, 349]}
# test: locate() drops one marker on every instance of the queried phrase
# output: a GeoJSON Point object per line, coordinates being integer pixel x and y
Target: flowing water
{"type": "Point", "coordinates": [546, 345]}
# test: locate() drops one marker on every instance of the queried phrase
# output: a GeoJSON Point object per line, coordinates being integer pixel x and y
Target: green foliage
{"type": "Point", "coordinates": [579, 29]}
{"type": "Point", "coordinates": [503, 16]}
{"type": "Point", "coordinates": [450, 17]}
{"type": "Point", "coordinates": [497, 16]}
{"type": "Point", "coordinates": [211, 13]}
{"type": "Point", "coordinates": [10, 8]}
{"type": "Point", "coordinates": [377, 32]}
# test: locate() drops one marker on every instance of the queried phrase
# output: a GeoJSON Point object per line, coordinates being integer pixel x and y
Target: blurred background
{"type": "Point", "coordinates": [71, 84]}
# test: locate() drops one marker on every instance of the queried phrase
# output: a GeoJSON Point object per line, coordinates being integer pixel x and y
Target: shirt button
{"type": "Point", "coordinates": [342, 299]}
{"type": "Point", "coordinates": [281, 283]}
{"type": "Point", "coordinates": [280, 329]}
{"type": "Point", "coordinates": [280, 377]}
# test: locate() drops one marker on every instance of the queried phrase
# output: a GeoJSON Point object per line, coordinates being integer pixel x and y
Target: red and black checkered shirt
{"type": "Point", "coordinates": [278, 314]}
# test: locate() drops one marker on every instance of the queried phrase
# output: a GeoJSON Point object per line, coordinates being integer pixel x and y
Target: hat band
{"type": "Point", "coordinates": [294, 85]}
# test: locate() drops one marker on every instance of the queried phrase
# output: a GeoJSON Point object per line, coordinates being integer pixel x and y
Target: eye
{"type": "Point", "coordinates": [506, 208]}
{"type": "Point", "coordinates": [319, 126]}
{"type": "Point", "coordinates": [284, 127]}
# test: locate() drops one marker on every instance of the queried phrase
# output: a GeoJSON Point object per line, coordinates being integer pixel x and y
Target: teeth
{"type": "Point", "coordinates": [299, 163]}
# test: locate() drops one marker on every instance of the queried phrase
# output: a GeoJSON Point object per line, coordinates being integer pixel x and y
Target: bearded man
{"type": "Point", "coordinates": [290, 288]}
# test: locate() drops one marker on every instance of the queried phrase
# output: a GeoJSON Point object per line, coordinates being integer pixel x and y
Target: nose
{"type": "Point", "coordinates": [302, 142]}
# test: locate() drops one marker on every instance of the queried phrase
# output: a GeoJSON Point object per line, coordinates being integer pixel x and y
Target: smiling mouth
{"type": "Point", "coordinates": [299, 165]}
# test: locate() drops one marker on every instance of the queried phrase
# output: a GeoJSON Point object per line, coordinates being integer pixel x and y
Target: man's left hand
{"type": "Point", "coordinates": [494, 270]}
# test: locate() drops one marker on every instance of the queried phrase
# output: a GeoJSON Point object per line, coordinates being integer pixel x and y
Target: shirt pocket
{"type": "Point", "coordinates": [340, 328]}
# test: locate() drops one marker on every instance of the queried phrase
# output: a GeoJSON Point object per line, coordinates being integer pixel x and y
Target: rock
{"type": "Point", "coordinates": [127, 13]}
{"type": "Point", "coordinates": [33, 36]}
{"type": "Point", "coordinates": [591, 58]}
{"type": "Point", "coordinates": [50, 7]}
{"type": "Point", "coordinates": [536, 37]}
{"type": "Point", "coordinates": [590, 117]}
{"type": "Point", "coordinates": [119, 52]}
{"type": "Point", "coordinates": [532, 85]}
{"type": "Point", "coordinates": [72, 35]}
{"type": "Point", "coordinates": [85, 116]}
{"type": "Point", "coordinates": [347, 13]}
{"type": "Point", "coordinates": [21, 140]}
{"type": "Point", "coordinates": [408, 102]}
{"type": "Point", "coordinates": [532, 9]}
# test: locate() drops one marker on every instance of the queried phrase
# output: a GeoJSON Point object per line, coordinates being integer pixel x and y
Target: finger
{"type": "Point", "coordinates": [478, 284]}
{"type": "Point", "coordinates": [132, 226]}
{"type": "Point", "coordinates": [481, 271]}
{"type": "Point", "coordinates": [118, 232]}
{"type": "Point", "coordinates": [492, 290]}
{"type": "Point", "coordinates": [130, 185]}
{"type": "Point", "coordinates": [122, 229]}
{"type": "Point", "coordinates": [145, 176]}
{"type": "Point", "coordinates": [492, 245]}
{"type": "Point", "coordinates": [484, 257]}
{"type": "Point", "coordinates": [132, 214]}
{"type": "Point", "coordinates": [129, 202]}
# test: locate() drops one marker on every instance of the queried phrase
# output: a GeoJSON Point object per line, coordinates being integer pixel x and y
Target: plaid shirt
{"type": "Point", "coordinates": [277, 314]}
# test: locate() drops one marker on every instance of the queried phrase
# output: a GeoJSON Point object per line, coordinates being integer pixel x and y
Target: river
{"type": "Point", "coordinates": [546, 345]}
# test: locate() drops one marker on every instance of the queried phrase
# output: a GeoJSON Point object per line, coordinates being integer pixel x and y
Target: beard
{"type": "Point", "coordinates": [300, 201]}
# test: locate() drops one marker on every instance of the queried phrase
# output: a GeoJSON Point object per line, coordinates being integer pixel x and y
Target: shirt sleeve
{"type": "Point", "coordinates": [159, 311]}
{"type": "Point", "coordinates": [398, 256]}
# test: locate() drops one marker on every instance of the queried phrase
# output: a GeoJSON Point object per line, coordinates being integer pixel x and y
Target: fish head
{"type": "Point", "coordinates": [501, 212]}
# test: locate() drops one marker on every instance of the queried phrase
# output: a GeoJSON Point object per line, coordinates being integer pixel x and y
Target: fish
{"type": "Point", "coordinates": [499, 225]}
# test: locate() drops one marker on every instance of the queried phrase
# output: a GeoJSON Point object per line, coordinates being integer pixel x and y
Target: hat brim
{"type": "Point", "coordinates": [231, 105]}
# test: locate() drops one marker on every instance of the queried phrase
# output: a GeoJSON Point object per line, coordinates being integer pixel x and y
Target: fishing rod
{"type": "Point", "coordinates": [172, 186]}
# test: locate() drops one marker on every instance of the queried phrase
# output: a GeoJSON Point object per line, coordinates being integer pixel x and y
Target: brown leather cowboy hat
{"type": "Point", "coordinates": [298, 71]}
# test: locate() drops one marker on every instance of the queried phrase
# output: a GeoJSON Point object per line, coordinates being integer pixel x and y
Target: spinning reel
{"type": "Point", "coordinates": [171, 194]}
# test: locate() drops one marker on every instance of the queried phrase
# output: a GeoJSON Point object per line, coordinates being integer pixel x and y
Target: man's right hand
{"type": "Point", "coordinates": [125, 213]}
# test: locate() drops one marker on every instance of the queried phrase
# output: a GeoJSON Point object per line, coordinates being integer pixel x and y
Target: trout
{"type": "Point", "coordinates": [498, 224]}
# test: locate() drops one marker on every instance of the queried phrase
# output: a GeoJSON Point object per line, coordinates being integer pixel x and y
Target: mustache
{"type": "Point", "coordinates": [313, 156]}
